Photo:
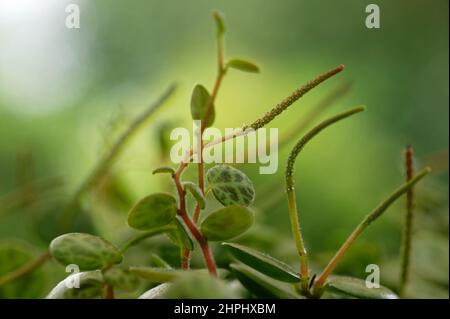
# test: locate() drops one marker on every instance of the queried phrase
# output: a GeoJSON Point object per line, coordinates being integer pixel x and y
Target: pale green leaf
{"type": "Point", "coordinates": [227, 222]}
{"type": "Point", "coordinates": [243, 65]}
{"type": "Point", "coordinates": [199, 105]}
{"type": "Point", "coordinates": [86, 251]}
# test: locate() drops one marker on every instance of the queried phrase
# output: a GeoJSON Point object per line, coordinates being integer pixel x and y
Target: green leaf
{"type": "Point", "coordinates": [156, 292]}
{"type": "Point", "coordinates": [121, 278]}
{"type": "Point", "coordinates": [227, 222]}
{"type": "Point", "coordinates": [13, 255]}
{"type": "Point", "coordinates": [230, 186]}
{"type": "Point", "coordinates": [86, 251]}
{"type": "Point", "coordinates": [243, 65]}
{"type": "Point", "coordinates": [153, 211]}
{"type": "Point", "coordinates": [90, 286]}
{"type": "Point", "coordinates": [196, 192]}
{"type": "Point", "coordinates": [261, 285]}
{"type": "Point", "coordinates": [155, 275]}
{"type": "Point", "coordinates": [164, 169]}
{"type": "Point", "coordinates": [355, 287]}
{"type": "Point", "coordinates": [220, 24]}
{"type": "Point", "coordinates": [199, 105]}
{"type": "Point", "coordinates": [180, 236]}
{"type": "Point", "coordinates": [199, 285]}
{"type": "Point", "coordinates": [266, 264]}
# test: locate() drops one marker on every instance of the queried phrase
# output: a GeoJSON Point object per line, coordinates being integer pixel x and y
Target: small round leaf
{"type": "Point", "coordinates": [87, 251]}
{"type": "Point", "coordinates": [243, 65]}
{"type": "Point", "coordinates": [227, 222]}
{"type": "Point", "coordinates": [199, 105]}
{"type": "Point", "coordinates": [153, 211]}
{"type": "Point", "coordinates": [230, 186]}
{"type": "Point", "coordinates": [263, 263]}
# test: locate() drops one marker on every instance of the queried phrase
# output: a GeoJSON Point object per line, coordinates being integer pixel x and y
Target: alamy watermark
{"type": "Point", "coordinates": [73, 16]}
{"type": "Point", "coordinates": [73, 280]}
{"type": "Point", "coordinates": [373, 18]}
{"type": "Point", "coordinates": [373, 279]}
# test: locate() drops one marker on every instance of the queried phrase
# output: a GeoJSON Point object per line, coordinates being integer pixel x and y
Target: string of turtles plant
{"type": "Point", "coordinates": [162, 213]}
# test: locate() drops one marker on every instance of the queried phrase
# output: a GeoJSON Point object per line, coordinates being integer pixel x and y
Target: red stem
{"type": "Point", "coordinates": [108, 292]}
{"type": "Point", "coordinates": [203, 242]}
{"type": "Point", "coordinates": [200, 171]}
{"type": "Point", "coordinates": [185, 259]}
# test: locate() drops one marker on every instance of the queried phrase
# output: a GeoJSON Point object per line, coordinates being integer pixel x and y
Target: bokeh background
{"type": "Point", "coordinates": [66, 94]}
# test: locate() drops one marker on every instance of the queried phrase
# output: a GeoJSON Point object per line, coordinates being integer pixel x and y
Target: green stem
{"type": "Point", "coordinates": [182, 212]}
{"type": "Point", "coordinates": [298, 239]}
{"type": "Point", "coordinates": [407, 235]}
{"type": "Point", "coordinates": [290, 189]}
{"type": "Point", "coordinates": [102, 167]}
{"type": "Point", "coordinates": [377, 212]}
{"type": "Point", "coordinates": [108, 292]}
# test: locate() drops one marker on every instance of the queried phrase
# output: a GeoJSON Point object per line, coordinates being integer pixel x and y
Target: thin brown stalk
{"type": "Point", "coordinates": [25, 269]}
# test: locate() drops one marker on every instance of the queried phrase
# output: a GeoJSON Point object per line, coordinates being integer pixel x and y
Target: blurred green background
{"type": "Point", "coordinates": [65, 95]}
